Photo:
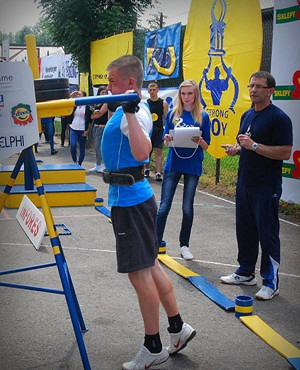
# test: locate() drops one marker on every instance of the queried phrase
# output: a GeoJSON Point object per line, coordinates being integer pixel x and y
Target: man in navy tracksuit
{"type": "Point", "coordinates": [264, 140]}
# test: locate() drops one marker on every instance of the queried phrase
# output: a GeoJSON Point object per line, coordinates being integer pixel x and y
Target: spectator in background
{"type": "Point", "coordinates": [65, 122]}
{"type": "Point", "coordinates": [99, 117]}
{"type": "Point", "coordinates": [48, 124]}
{"type": "Point", "coordinates": [44, 131]}
{"type": "Point", "coordinates": [65, 128]}
{"type": "Point", "coordinates": [79, 128]}
{"type": "Point", "coordinates": [159, 109]}
{"type": "Point", "coordinates": [186, 162]}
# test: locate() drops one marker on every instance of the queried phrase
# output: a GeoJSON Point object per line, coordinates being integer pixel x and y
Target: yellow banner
{"type": "Point", "coordinates": [84, 82]}
{"type": "Point", "coordinates": [222, 48]}
{"type": "Point", "coordinates": [106, 50]}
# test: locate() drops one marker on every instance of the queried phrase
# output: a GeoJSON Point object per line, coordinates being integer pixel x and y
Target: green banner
{"type": "Point", "coordinates": [287, 14]}
{"type": "Point", "coordinates": [284, 93]}
{"type": "Point", "coordinates": [287, 170]}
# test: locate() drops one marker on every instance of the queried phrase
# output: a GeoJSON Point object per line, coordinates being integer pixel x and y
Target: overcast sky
{"type": "Point", "coordinates": [14, 14]}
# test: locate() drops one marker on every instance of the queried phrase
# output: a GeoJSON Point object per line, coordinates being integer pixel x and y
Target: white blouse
{"type": "Point", "coordinates": [78, 122]}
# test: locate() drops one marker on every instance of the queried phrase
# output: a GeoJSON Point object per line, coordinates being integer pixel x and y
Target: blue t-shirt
{"type": "Point", "coordinates": [193, 165]}
{"type": "Point", "coordinates": [272, 127]}
{"type": "Point", "coordinates": [117, 155]}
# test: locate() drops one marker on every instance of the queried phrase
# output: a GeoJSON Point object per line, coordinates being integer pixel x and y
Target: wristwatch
{"type": "Point", "coordinates": [254, 146]}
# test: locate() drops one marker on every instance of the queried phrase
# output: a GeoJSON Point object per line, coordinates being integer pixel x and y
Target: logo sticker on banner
{"type": "Point", "coordinates": [222, 48]}
{"type": "Point", "coordinates": [162, 51]}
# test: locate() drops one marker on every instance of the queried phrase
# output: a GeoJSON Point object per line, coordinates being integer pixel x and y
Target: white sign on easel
{"type": "Point", "coordinates": [32, 221]}
{"type": "Point", "coordinates": [18, 116]}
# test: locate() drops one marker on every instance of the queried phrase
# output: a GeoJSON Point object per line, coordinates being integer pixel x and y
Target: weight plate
{"type": "Point", "coordinates": [53, 94]}
{"type": "Point", "coordinates": [50, 83]}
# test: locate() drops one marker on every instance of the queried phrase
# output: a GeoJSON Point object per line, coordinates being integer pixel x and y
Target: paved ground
{"type": "Point", "coordinates": [35, 327]}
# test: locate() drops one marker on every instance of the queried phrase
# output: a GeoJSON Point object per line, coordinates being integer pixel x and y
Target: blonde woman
{"type": "Point", "coordinates": [183, 161]}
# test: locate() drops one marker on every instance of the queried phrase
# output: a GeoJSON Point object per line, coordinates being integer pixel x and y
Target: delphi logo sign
{"type": "Point", "coordinates": [22, 114]}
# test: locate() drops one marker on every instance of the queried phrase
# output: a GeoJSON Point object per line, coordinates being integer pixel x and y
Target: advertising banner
{"type": "Point", "coordinates": [222, 48]}
{"type": "Point", "coordinates": [49, 67]}
{"type": "Point", "coordinates": [69, 69]}
{"type": "Point", "coordinates": [285, 65]}
{"type": "Point", "coordinates": [57, 65]}
{"type": "Point", "coordinates": [105, 51]}
{"type": "Point", "coordinates": [162, 53]}
{"type": "Point", "coordinates": [18, 116]}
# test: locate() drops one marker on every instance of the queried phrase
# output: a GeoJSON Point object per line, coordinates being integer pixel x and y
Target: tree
{"type": "Point", "coordinates": [73, 24]}
{"type": "Point", "coordinates": [156, 21]}
{"type": "Point", "coordinates": [20, 35]}
{"type": "Point", "coordinates": [42, 32]}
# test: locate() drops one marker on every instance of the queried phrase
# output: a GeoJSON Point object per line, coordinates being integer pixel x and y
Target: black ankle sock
{"type": "Point", "coordinates": [153, 343]}
{"type": "Point", "coordinates": [175, 323]}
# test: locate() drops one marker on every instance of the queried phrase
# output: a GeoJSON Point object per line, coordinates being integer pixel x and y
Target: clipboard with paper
{"type": "Point", "coordinates": [182, 137]}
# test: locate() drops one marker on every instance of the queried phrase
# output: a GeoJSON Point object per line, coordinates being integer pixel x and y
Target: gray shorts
{"type": "Point", "coordinates": [135, 232]}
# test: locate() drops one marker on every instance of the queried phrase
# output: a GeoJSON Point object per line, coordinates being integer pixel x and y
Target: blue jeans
{"type": "Point", "coordinates": [50, 130]}
{"type": "Point", "coordinates": [97, 136]}
{"type": "Point", "coordinates": [76, 137]}
{"type": "Point", "coordinates": [169, 185]}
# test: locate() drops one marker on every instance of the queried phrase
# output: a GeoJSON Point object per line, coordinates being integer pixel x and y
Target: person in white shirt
{"type": "Point", "coordinates": [79, 128]}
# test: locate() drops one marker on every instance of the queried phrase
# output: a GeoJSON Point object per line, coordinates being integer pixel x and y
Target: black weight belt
{"type": "Point", "coordinates": [126, 176]}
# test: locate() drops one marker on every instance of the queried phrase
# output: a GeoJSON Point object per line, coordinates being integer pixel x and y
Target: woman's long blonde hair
{"type": "Point", "coordinates": [196, 111]}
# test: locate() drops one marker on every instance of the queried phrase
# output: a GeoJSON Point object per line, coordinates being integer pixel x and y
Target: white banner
{"type": "Point", "coordinates": [18, 117]}
{"type": "Point", "coordinates": [69, 69]}
{"type": "Point", "coordinates": [49, 66]}
{"type": "Point", "coordinates": [56, 66]}
{"type": "Point", "coordinates": [285, 66]}
{"type": "Point", "coordinates": [169, 94]}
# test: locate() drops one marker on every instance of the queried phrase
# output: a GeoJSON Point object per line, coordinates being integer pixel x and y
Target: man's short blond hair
{"type": "Point", "coordinates": [129, 66]}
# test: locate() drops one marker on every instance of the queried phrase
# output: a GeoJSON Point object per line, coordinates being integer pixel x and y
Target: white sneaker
{"type": "Point", "coordinates": [265, 293]}
{"type": "Point", "coordinates": [186, 254]}
{"type": "Point", "coordinates": [235, 279]}
{"type": "Point", "coordinates": [94, 169]}
{"type": "Point", "coordinates": [158, 176]}
{"type": "Point", "coordinates": [178, 341]}
{"type": "Point", "coordinates": [145, 359]}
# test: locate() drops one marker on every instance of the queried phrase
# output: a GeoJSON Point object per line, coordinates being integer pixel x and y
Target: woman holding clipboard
{"type": "Point", "coordinates": [187, 134]}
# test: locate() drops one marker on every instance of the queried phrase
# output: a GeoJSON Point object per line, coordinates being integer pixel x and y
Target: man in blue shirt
{"type": "Point", "coordinates": [126, 145]}
{"type": "Point", "coordinates": [264, 140]}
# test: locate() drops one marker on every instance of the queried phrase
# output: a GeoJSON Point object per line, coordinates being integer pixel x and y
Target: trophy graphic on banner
{"type": "Point", "coordinates": [217, 75]}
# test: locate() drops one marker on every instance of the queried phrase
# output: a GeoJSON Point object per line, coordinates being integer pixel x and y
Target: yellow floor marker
{"type": "Point", "coordinates": [175, 266]}
{"type": "Point", "coordinates": [273, 339]}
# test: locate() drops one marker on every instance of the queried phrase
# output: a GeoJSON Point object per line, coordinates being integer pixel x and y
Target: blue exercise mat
{"type": "Point", "coordinates": [104, 210]}
{"type": "Point", "coordinates": [212, 292]}
{"type": "Point", "coordinates": [295, 362]}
